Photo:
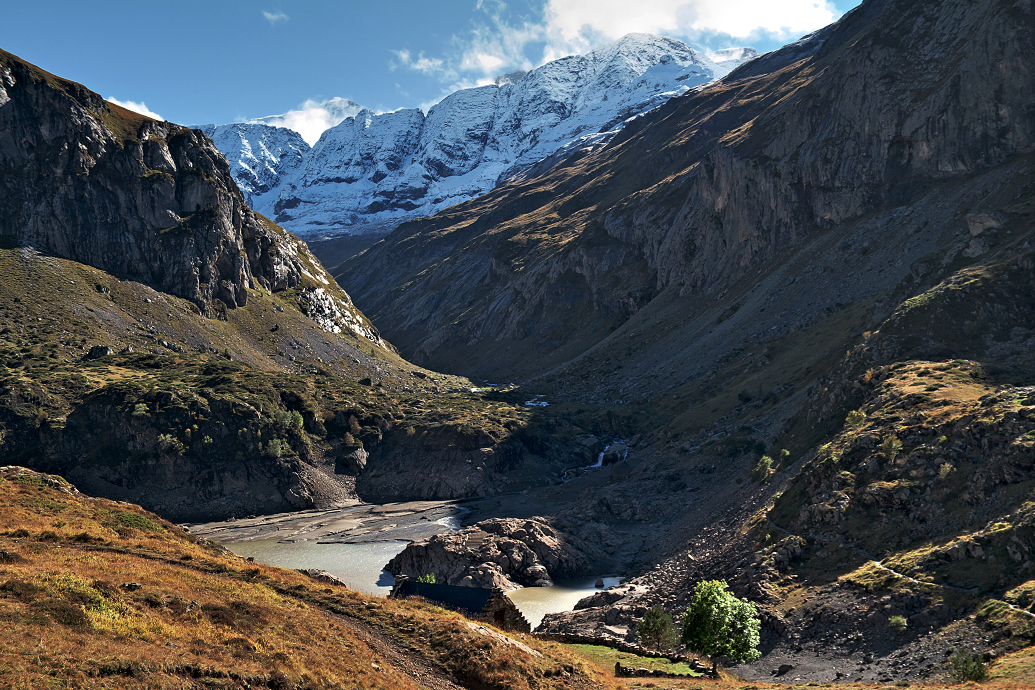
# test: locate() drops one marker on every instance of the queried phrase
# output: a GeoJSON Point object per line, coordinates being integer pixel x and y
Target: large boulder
{"type": "Point", "coordinates": [503, 552]}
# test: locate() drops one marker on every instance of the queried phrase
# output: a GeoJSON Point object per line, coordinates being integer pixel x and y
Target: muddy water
{"type": "Point", "coordinates": [359, 565]}
{"type": "Point", "coordinates": [536, 602]}
{"type": "Point", "coordinates": [355, 543]}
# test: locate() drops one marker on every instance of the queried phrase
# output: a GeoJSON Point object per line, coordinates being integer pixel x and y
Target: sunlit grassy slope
{"type": "Point", "coordinates": [95, 593]}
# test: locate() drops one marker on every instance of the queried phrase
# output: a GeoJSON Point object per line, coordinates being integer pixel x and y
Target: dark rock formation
{"type": "Point", "coordinates": [504, 553]}
{"type": "Point", "coordinates": [85, 179]}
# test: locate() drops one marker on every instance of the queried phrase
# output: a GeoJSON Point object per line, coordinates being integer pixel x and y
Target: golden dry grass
{"type": "Point", "coordinates": [203, 617]}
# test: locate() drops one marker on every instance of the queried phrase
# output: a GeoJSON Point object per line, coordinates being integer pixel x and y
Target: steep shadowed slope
{"type": "Point", "coordinates": [896, 100]}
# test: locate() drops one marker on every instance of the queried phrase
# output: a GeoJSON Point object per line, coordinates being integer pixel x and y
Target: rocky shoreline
{"type": "Point", "coordinates": [357, 524]}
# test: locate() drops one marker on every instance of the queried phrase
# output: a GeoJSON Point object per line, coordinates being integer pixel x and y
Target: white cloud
{"type": "Point", "coordinates": [312, 118]}
{"type": "Point", "coordinates": [568, 27]}
{"type": "Point", "coordinates": [136, 108]}
{"type": "Point", "coordinates": [579, 22]}
{"type": "Point", "coordinates": [274, 17]}
{"type": "Point", "coordinates": [420, 64]}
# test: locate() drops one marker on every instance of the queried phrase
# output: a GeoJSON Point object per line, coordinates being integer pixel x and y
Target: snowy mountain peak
{"type": "Point", "coordinates": [370, 171]}
{"type": "Point", "coordinates": [727, 54]}
{"type": "Point", "coordinates": [260, 155]}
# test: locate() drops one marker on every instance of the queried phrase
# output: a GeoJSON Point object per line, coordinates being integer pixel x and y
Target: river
{"type": "Point", "coordinates": [354, 544]}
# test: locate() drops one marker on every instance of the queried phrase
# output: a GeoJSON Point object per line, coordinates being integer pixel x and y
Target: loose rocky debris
{"type": "Point", "coordinates": [500, 637]}
{"type": "Point", "coordinates": [322, 576]}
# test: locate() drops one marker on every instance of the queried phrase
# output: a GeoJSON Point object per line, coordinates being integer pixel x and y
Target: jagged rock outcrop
{"type": "Point", "coordinates": [871, 115]}
{"type": "Point", "coordinates": [87, 180]}
{"type": "Point", "coordinates": [372, 170]}
{"type": "Point", "coordinates": [505, 553]}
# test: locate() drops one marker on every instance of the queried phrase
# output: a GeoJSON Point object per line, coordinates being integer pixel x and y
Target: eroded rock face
{"type": "Point", "coordinates": [150, 201]}
{"type": "Point", "coordinates": [154, 202]}
{"type": "Point", "coordinates": [505, 553]}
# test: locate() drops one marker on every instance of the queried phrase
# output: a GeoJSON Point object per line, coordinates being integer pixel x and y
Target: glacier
{"type": "Point", "coordinates": [372, 170]}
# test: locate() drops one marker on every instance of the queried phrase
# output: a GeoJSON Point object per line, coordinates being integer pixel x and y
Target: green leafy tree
{"type": "Point", "coordinates": [656, 630]}
{"type": "Point", "coordinates": [717, 623]}
{"type": "Point", "coordinates": [428, 579]}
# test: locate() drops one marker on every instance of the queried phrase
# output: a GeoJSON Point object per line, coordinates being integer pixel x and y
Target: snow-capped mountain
{"type": "Point", "coordinates": [729, 59]}
{"type": "Point", "coordinates": [374, 170]}
{"type": "Point", "coordinates": [260, 156]}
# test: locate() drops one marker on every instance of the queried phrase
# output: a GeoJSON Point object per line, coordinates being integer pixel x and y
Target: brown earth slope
{"type": "Point", "coordinates": [95, 593]}
{"type": "Point", "coordinates": [740, 272]}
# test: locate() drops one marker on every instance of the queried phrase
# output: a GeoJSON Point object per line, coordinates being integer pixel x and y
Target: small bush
{"type": "Point", "coordinates": [171, 444]}
{"type": "Point", "coordinates": [945, 469]}
{"type": "Point", "coordinates": [856, 419]}
{"type": "Point", "coordinates": [763, 470]}
{"type": "Point", "coordinates": [129, 519]}
{"type": "Point", "coordinates": [965, 666]}
{"type": "Point", "coordinates": [141, 410]}
{"type": "Point", "coordinates": [898, 623]}
{"type": "Point", "coordinates": [277, 448]}
{"type": "Point", "coordinates": [891, 447]}
{"type": "Point", "coordinates": [428, 579]}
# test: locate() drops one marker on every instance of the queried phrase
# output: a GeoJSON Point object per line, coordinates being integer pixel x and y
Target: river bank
{"type": "Point", "coordinates": [357, 524]}
{"type": "Point", "coordinates": [354, 544]}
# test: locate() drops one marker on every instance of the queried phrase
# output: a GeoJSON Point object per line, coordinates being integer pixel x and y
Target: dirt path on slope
{"type": "Point", "coordinates": [401, 659]}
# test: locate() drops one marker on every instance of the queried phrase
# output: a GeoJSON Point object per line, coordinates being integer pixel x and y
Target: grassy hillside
{"type": "Point", "coordinates": [103, 594]}
{"type": "Point", "coordinates": [262, 386]}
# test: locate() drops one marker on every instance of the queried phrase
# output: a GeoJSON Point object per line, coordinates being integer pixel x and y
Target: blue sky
{"type": "Point", "coordinates": [223, 61]}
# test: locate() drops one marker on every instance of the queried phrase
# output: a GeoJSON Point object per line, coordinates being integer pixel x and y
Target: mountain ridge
{"type": "Point", "coordinates": [375, 169]}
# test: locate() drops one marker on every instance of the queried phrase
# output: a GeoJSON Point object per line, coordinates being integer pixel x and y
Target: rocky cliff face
{"type": "Point", "coordinates": [86, 180]}
{"type": "Point", "coordinates": [160, 342]}
{"type": "Point", "coordinates": [374, 170]}
{"type": "Point", "coordinates": [869, 116]}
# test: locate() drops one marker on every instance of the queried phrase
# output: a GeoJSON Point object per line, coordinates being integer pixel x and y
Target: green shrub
{"type": "Point", "coordinates": [898, 623]}
{"type": "Point", "coordinates": [891, 447]}
{"type": "Point", "coordinates": [428, 579]}
{"type": "Point", "coordinates": [278, 449]}
{"type": "Point", "coordinates": [964, 666]}
{"type": "Point", "coordinates": [171, 444]}
{"type": "Point", "coordinates": [763, 470]}
{"type": "Point", "coordinates": [656, 630]}
{"type": "Point", "coordinates": [856, 419]}
{"type": "Point", "coordinates": [130, 519]}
